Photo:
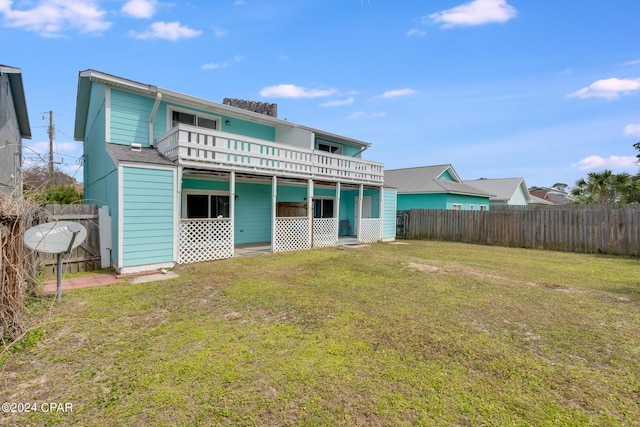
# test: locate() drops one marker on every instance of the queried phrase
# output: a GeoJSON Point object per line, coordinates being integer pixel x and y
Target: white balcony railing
{"type": "Point", "coordinates": [211, 148]}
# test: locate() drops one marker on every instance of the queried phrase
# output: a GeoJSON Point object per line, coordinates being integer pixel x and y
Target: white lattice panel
{"type": "Point", "coordinates": [325, 232]}
{"type": "Point", "coordinates": [370, 230]}
{"type": "Point", "coordinates": [205, 240]}
{"type": "Point", "coordinates": [291, 234]}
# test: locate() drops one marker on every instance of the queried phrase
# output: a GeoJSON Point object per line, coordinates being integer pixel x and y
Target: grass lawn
{"type": "Point", "coordinates": [425, 333]}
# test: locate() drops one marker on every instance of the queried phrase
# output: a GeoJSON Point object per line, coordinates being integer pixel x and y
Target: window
{"type": "Point", "coordinates": [206, 206]}
{"type": "Point", "coordinates": [483, 207]}
{"type": "Point", "coordinates": [323, 208]}
{"type": "Point", "coordinates": [330, 148]}
{"type": "Point", "coordinates": [456, 207]}
{"type": "Point", "coordinates": [471, 208]}
{"type": "Point", "coordinates": [193, 119]}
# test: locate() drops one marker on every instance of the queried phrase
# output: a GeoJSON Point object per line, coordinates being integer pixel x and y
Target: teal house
{"type": "Point", "coordinates": [188, 180]}
{"type": "Point", "coordinates": [434, 187]}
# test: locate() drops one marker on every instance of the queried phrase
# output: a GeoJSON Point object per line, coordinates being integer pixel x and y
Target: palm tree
{"type": "Point", "coordinates": [606, 187]}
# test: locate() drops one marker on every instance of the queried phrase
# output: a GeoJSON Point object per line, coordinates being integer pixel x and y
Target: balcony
{"type": "Point", "coordinates": [211, 149]}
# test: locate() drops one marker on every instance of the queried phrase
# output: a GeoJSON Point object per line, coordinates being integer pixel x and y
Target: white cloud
{"type": "Point", "coordinates": [607, 88]}
{"type": "Point", "coordinates": [338, 102]}
{"type": "Point", "coordinates": [397, 92]}
{"type": "Point", "coordinates": [363, 115]}
{"type": "Point", "coordinates": [53, 17]}
{"type": "Point", "coordinates": [414, 32]}
{"type": "Point", "coordinates": [613, 162]}
{"type": "Point", "coordinates": [140, 8]}
{"type": "Point", "coordinates": [219, 32]}
{"type": "Point", "coordinates": [168, 31]}
{"type": "Point", "coordinates": [476, 12]}
{"type": "Point", "coordinates": [293, 91]}
{"type": "Point", "coordinates": [636, 62]}
{"type": "Point", "coordinates": [221, 65]}
{"type": "Point", "coordinates": [632, 129]}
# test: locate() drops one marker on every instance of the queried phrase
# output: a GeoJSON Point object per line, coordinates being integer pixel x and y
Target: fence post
{"type": "Point", "coordinates": [104, 224]}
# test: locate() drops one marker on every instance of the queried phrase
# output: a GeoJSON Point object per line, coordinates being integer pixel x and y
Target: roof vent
{"type": "Point", "coordinates": [136, 146]}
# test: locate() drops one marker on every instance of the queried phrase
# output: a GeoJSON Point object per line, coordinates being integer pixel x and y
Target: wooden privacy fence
{"type": "Point", "coordinates": [85, 257]}
{"type": "Point", "coordinates": [588, 229]}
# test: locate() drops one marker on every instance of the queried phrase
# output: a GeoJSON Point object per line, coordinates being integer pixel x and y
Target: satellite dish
{"type": "Point", "coordinates": [56, 237]}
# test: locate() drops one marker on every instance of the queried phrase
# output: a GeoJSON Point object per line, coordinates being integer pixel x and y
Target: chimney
{"type": "Point", "coordinates": [257, 107]}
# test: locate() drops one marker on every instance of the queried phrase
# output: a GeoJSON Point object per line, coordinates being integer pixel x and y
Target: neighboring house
{"type": "Point", "coordinates": [538, 201]}
{"type": "Point", "coordinates": [551, 195]}
{"type": "Point", "coordinates": [186, 179]}
{"type": "Point", "coordinates": [14, 126]}
{"type": "Point", "coordinates": [434, 187]}
{"type": "Point", "coordinates": [507, 191]}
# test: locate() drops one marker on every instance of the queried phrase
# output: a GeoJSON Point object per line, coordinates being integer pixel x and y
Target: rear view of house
{"type": "Point", "coordinates": [187, 180]}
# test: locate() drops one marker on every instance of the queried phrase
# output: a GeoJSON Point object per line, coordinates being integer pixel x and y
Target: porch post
{"type": "Point", "coordinates": [310, 210]}
{"type": "Point", "coordinates": [381, 213]}
{"type": "Point", "coordinates": [232, 208]}
{"type": "Point", "coordinates": [274, 196]}
{"type": "Point", "coordinates": [359, 213]}
{"type": "Point", "coordinates": [177, 214]}
{"type": "Point", "coordinates": [336, 210]}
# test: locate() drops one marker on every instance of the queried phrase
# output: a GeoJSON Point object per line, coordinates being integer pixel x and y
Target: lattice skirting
{"type": "Point", "coordinates": [205, 240]}
{"type": "Point", "coordinates": [325, 232]}
{"type": "Point", "coordinates": [291, 234]}
{"type": "Point", "coordinates": [370, 230]}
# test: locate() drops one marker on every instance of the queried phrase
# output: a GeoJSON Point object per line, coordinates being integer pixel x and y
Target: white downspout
{"type": "Point", "coordinates": [153, 116]}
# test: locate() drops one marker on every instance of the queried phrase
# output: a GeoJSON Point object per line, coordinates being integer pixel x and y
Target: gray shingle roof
{"type": "Point", "coordinates": [425, 180]}
{"type": "Point", "coordinates": [124, 153]}
{"type": "Point", "coordinates": [503, 188]}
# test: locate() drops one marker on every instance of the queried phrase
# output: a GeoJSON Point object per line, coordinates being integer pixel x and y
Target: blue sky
{"type": "Point", "coordinates": [544, 90]}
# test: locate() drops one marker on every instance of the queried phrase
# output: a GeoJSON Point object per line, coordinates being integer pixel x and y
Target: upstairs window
{"type": "Point", "coordinates": [193, 119]}
{"type": "Point", "coordinates": [329, 147]}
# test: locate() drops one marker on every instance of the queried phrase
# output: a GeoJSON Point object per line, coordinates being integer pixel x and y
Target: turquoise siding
{"type": "Point", "coordinates": [147, 218]}
{"type": "Point", "coordinates": [446, 176]}
{"type": "Point", "coordinates": [130, 118]}
{"type": "Point", "coordinates": [130, 115]}
{"type": "Point", "coordinates": [253, 213]}
{"type": "Point", "coordinates": [466, 202]}
{"type": "Point", "coordinates": [100, 172]}
{"type": "Point", "coordinates": [389, 217]}
{"type": "Point", "coordinates": [245, 128]}
{"type": "Point", "coordinates": [237, 126]}
{"type": "Point", "coordinates": [347, 150]}
{"type": "Point", "coordinates": [291, 194]}
{"type": "Point", "coordinates": [440, 201]}
{"type": "Point", "coordinates": [204, 184]}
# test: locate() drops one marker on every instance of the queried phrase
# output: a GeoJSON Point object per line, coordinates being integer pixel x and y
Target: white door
{"type": "Point", "coordinates": [366, 210]}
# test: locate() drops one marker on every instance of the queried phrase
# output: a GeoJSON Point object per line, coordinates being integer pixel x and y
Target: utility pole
{"type": "Point", "coordinates": [51, 133]}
